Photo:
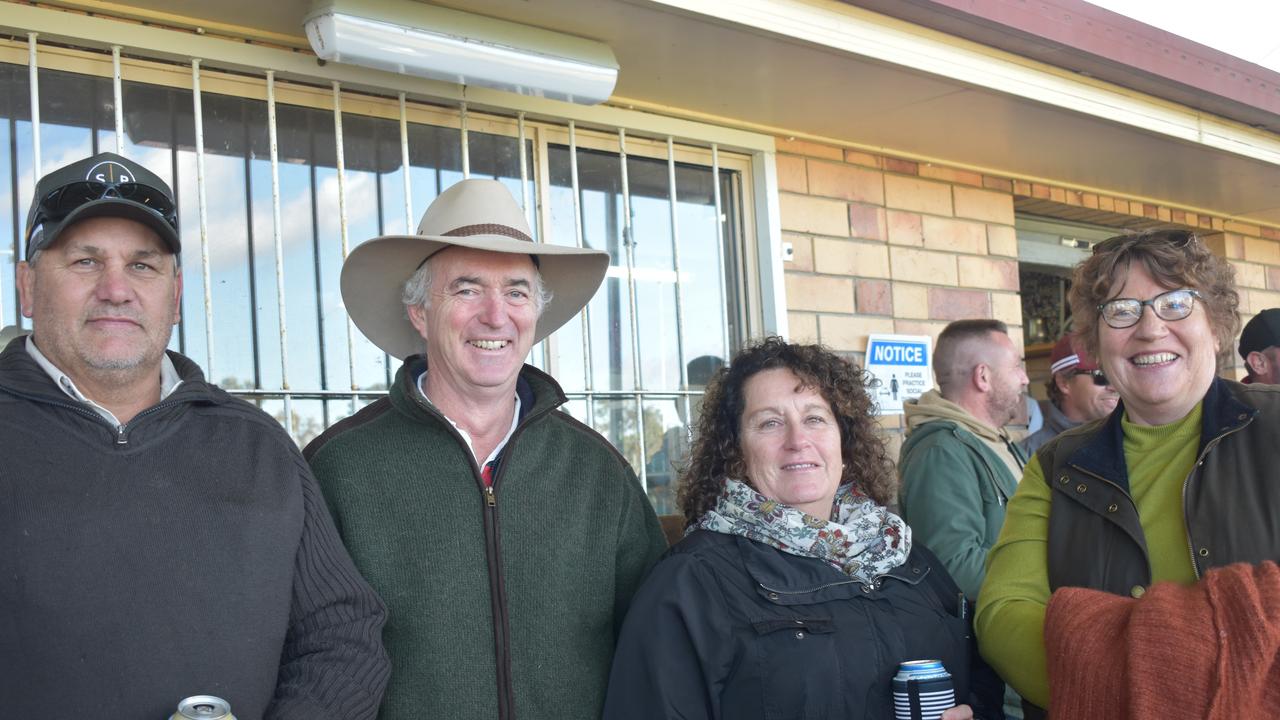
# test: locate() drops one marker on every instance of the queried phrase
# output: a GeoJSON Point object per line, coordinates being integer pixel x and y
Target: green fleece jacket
{"type": "Point", "coordinates": [502, 604]}
{"type": "Point", "coordinates": [954, 488]}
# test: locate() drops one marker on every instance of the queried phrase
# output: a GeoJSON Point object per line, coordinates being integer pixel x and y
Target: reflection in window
{"type": "Point", "coordinates": [685, 317]}
{"type": "Point", "coordinates": [705, 286]}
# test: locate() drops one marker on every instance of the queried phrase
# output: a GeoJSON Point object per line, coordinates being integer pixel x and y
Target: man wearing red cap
{"type": "Point", "coordinates": [1078, 393]}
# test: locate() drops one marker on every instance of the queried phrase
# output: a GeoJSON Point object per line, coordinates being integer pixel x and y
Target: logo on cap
{"type": "Point", "coordinates": [109, 172]}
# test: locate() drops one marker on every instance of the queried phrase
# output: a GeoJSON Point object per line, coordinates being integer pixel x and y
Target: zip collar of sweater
{"type": "Point", "coordinates": [21, 375]}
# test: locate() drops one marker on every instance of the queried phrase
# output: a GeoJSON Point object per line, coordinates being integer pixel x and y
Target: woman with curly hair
{"type": "Point", "coordinates": [1104, 593]}
{"type": "Point", "coordinates": [795, 592]}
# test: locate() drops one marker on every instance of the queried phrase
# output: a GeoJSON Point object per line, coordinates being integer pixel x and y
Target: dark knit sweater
{"type": "Point", "coordinates": [188, 554]}
{"type": "Point", "coordinates": [497, 611]}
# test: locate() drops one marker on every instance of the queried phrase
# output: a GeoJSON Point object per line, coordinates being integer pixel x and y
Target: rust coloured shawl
{"type": "Point", "coordinates": [1209, 650]}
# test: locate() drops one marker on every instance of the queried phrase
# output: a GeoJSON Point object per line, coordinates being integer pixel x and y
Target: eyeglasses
{"type": "Point", "coordinates": [62, 201]}
{"type": "Point", "coordinates": [1126, 312]}
{"type": "Point", "coordinates": [1099, 378]}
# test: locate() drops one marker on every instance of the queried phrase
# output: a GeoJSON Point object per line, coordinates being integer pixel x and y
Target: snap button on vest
{"type": "Point", "coordinates": [1081, 488]}
{"type": "Point", "coordinates": [773, 596]}
{"type": "Point", "coordinates": [799, 634]}
{"type": "Point", "coordinates": [1204, 552]}
{"type": "Point", "coordinates": [1064, 479]}
{"type": "Point", "coordinates": [1138, 591]}
{"type": "Point", "coordinates": [1113, 507]}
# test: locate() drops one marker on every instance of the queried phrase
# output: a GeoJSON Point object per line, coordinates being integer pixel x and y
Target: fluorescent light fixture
{"type": "Point", "coordinates": [442, 44]}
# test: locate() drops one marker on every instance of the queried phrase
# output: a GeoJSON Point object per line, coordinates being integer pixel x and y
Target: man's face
{"type": "Point", "coordinates": [480, 319]}
{"type": "Point", "coordinates": [103, 299]}
{"type": "Point", "coordinates": [1084, 400]}
{"type": "Point", "coordinates": [1008, 379]}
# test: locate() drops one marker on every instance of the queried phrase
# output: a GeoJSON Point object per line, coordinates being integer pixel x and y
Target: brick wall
{"type": "Point", "coordinates": [886, 245]}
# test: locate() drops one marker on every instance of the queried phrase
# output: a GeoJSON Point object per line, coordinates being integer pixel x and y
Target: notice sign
{"type": "Point", "coordinates": [901, 365]}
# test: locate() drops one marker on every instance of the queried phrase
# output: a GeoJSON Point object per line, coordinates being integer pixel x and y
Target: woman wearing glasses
{"type": "Point", "coordinates": [1179, 479]}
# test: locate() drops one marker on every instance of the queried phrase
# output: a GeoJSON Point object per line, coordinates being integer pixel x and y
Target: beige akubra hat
{"type": "Point", "coordinates": [479, 214]}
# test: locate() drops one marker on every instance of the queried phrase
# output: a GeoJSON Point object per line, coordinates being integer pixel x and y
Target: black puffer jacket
{"type": "Point", "coordinates": [725, 627]}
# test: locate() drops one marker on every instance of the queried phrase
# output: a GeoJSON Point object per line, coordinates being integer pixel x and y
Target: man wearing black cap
{"type": "Point", "coordinates": [1260, 347]}
{"type": "Point", "coordinates": [158, 538]}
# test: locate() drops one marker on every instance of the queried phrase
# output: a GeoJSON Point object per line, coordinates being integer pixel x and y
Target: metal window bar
{"type": "Point", "coordinates": [588, 366]}
{"type": "Point", "coordinates": [34, 76]}
{"type": "Point", "coordinates": [409, 226]}
{"type": "Point", "coordinates": [340, 163]}
{"type": "Point", "coordinates": [33, 66]}
{"type": "Point", "coordinates": [204, 217]}
{"type": "Point", "coordinates": [117, 96]}
{"type": "Point", "coordinates": [530, 217]}
{"type": "Point", "coordinates": [524, 172]}
{"type": "Point", "coordinates": [719, 236]}
{"type": "Point", "coordinates": [277, 233]}
{"type": "Point", "coordinates": [462, 138]}
{"type": "Point", "coordinates": [628, 240]}
{"type": "Point", "coordinates": [675, 262]}
{"type": "Point", "coordinates": [404, 163]}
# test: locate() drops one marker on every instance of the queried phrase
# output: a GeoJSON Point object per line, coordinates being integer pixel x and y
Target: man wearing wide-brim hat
{"type": "Point", "coordinates": [505, 536]}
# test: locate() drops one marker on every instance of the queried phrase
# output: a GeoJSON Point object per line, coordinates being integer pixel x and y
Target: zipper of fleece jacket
{"type": "Point", "coordinates": [493, 552]}
{"type": "Point", "coordinates": [498, 596]}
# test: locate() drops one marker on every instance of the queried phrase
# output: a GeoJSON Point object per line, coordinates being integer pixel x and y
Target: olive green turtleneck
{"type": "Point", "coordinates": [1011, 608]}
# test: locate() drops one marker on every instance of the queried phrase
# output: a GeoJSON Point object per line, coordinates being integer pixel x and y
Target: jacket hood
{"type": "Point", "coordinates": [932, 407]}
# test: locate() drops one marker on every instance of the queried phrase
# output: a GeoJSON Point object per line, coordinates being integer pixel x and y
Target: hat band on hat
{"type": "Point", "coordinates": [488, 229]}
{"type": "Point", "coordinates": [1064, 363]}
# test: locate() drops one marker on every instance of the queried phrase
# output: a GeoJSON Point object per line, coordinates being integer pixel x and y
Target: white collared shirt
{"type": "Point", "coordinates": [169, 381]}
{"type": "Point", "coordinates": [515, 420]}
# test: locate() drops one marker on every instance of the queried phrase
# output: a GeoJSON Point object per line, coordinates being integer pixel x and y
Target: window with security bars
{"type": "Point", "coordinates": [670, 215]}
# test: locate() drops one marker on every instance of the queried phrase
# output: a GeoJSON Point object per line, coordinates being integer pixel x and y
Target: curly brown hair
{"type": "Point", "coordinates": [1174, 259]}
{"type": "Point", "coordinates": [717, 447]}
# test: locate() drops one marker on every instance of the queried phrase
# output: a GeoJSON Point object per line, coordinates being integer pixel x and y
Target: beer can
{"type": "Point", "coordinates": [922, 690]}
{"type": "Point", "coordinates": [203, 707]}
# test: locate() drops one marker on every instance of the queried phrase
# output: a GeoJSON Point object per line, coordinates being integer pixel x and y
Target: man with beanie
{"type": "Point", "coordinates": [1260, 347]}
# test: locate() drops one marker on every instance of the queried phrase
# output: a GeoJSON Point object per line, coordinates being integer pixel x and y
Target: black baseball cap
{"type": "Point", "coordinates": [103, 185]}
{"type": "Point", "coordinates": [1262, 332]}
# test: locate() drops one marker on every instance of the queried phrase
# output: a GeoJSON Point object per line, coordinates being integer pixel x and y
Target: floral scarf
{"type": "Point", "coordinates": [864, 540]}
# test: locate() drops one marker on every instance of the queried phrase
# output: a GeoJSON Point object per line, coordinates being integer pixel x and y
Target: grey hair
{"type": "Point", "coordinates": [417, 289]}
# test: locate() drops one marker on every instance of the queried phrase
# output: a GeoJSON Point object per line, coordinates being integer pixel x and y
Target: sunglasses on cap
{"type": "Point", "coordinates": [1099, 378]}
{"type": "Point", "coordinates": [1175, 238]}
{"type": "Point", "coordinates": [61, 202]}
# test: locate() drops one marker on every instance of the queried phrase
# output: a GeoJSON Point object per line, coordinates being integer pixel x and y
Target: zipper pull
{"type": "Point", "coordinates": [489, 498]}
{"type": "Point", "coordinates": [121, 438]}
